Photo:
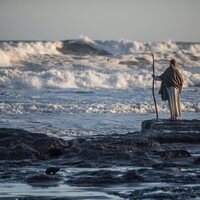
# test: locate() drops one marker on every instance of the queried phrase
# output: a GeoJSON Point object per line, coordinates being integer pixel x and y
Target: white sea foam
{"type": "Point", "coordinates": [85, 40]}
{"type": "Point", "coordinates": [87, 77]}
{"type": "Point", "coordinates": [44, 66]}
{"type": "Point", "coordinates": [12, 54]}
{"type": "Point", "coordinates": [83, 108]}
{"type": "Point", "coordinates": [168, 46]}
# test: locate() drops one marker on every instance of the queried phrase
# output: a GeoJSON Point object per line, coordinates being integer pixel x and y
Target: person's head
{"type": "Point", "coordinates": [173, 62]}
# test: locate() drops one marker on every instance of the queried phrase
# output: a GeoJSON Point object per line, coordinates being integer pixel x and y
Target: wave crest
{"type": "Point", "coordinates": [85, 63]}
{"type": "Point", "coordinates": [11, 53]}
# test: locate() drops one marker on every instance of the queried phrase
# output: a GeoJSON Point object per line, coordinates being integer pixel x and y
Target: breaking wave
{"type": "Point", "coordinates": [12, 52]}
{"type": "Point", "coordinates": [85, 63]}
{"type": "Point", "coordinates": [74, 77]}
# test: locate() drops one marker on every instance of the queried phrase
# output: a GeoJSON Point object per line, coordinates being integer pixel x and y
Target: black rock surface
{"type": "Point", "coordinates": [17, 144]}
{"type": "Point", "coordinates": [165, 162]}
{"type": "Point", "coordinates": [181, 126]}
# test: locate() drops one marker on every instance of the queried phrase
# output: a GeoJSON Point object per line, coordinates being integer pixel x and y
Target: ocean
{"type": "Point", "coordinates": [84, 87]}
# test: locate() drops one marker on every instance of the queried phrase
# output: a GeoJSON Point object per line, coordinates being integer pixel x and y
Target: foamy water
{"type": "Point", "coordinates": [90, 87]}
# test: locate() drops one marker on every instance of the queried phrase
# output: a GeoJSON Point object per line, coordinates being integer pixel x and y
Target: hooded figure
{"type": "Point", "coordinates": [171, 87]}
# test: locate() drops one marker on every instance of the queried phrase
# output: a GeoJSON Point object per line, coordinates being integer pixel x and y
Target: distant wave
{"type": "Point", "coordinates": [85, 63]}
{"type": "Point", "coordinates": [79, 48]}
{"type": "Point", "coordinates": [12, 52]}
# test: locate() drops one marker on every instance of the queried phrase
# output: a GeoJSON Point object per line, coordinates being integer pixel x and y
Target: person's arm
{"type": "Point", "coordinates": [156, 78]}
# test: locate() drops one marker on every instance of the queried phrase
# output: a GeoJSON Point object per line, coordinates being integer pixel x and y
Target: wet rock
{"type": "Point", "coordinates": [80, 164]}
{"type": "Point", "coordinates": [174, 154]}
{"type": "Point", "coordinates": [94, 178]}
{"type": "Point", "coordinates": [55, 151]}
{"type": "Point", "coordinates": [156, 156]}
{"type": "Point", "coordinates": [172, 165]}
{"type": "Point", "coordinates": [184, 138]}
{"type": "Point", "coordinates": [160, 192]}
{"type": "Point", "coordinates": [43, 180]}
{"type": "Point", "coordinates": [132, 176]}
{"type": "Point", "coordinates": [121, 149]}
{"type": "Point", "coordinates": [197, 161]}
{"type": "Point", "coordinates": [17, 144]}
{"type": "Point", "coordinates": [181, 126]}
{"type": "Point", "coordinates": [52, 170]}
{"type": "Point", "coordinates": [165, 131]}
{"type": "Point", "coordinates": [103, 177]}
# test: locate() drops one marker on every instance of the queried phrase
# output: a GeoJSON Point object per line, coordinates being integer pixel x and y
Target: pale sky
{"type": "Point", "coordinates": [138, 20]}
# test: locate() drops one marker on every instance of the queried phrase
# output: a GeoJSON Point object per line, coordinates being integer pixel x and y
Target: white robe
{"type": "Point", "coordinates": [174, 101]}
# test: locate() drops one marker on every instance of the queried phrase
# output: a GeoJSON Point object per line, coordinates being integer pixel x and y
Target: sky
{"type": "Point", "coordinates": [134, 20]}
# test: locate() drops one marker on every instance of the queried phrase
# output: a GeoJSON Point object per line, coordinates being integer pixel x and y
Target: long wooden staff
{"type": "Point", "coordinates": [153, 89]}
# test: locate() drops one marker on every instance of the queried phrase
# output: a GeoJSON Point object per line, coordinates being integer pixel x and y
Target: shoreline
{"type": "Point", "coordinates": [151, 162]}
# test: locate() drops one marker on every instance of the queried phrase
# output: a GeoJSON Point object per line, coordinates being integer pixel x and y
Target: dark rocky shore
{"type": "Point", "coordinates": [164, 154]}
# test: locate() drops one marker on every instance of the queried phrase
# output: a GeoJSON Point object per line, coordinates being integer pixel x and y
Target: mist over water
{"type": "Point", "coordinates": [81, 87]}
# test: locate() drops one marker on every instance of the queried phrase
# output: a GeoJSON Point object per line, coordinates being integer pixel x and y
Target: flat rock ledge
{"type": "Point", "coordinates": [163, 125]}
